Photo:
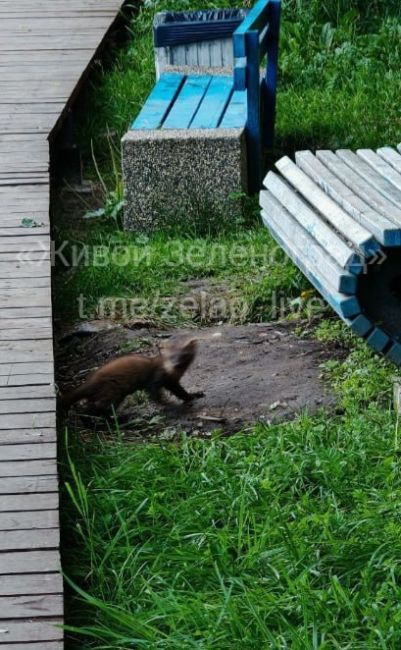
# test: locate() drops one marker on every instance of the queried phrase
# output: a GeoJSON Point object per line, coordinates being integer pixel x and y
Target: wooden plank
{"type": "Point", "coordinates": [30, 436]}
{"type": "Point", "coordinates": [30, 584]}
{"type": "Point", "coordinates": [25, 257]}
{"type": "Point", "coordinates": [16, 379]}
{"type": "Point", "coordinates": [36, 405]}
{"type": "Point", "coordinates": [343, 254]}
{"type": "Point", "coordinates": [303, 244]}
{"type": "Point", "coordinates": [352, 231]}
{"type": "Point", "coordinates": [28, 631]}
{"type": "Point", "coordinates": [18, 351]}
{"type": "Point", "coordinates": [26, 334]}
{"type": "Point", "coordinates": [29, 562]}
{"type": "Point", "coordinates": [345, 306]}
{"type": "Point", "coordinates": [40, 269]}
{"type": "Point", "coordinates": [383, 185]}
{"type": "Point", "coordinates": [28, 421]}
{"type": "Point", "coordinates": [360, 186]}
{"type": "Point", "coordinates": [27, 452]}
{"type": "Point", "coordinates": [28, 484]}
{"type": "Point", "coordinates": [34, 606]}
{"type": "Point", "coordinates": [391, 156]}
{"type": "Point", "coordinates": [23, 368]}
{"type": "Point", "coordinates": [235, 115]}
{"type": "Point", "coordinates": [21, 540]}
{"type": "Point", "coordinates": [385, 231]}
{"type": "Point", "coordinates": [39, 467]}
{"type": "Point", "coordinates": [381, 166]}
{"type": "Point", "coordinates": [187, 102]}
{"type": "Point", "coordinates": [159, 102]}
{"type": "Point", "coordinates": [211, 109]}
{"type": "Point", "coordinates": [27, 392]}
{"type": "Point", "coordinates": [29, 502]}
{"type": "Point", "coordinates": [29, 520]}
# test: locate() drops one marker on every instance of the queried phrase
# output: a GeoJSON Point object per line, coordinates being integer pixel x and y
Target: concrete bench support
{"type": "Point", "coordinates": [172, 175]}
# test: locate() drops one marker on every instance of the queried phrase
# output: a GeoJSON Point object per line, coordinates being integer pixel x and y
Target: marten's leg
{"type": "Point", "coordinates": [156, 394]}
{"type": "Point", "coordinates": [103, 406]}
{"type": "Point", "coordinates": [180, 392]}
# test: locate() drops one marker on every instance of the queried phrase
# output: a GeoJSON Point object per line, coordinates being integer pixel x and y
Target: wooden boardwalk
{"type": "Point", "coordinates": [45, 48]}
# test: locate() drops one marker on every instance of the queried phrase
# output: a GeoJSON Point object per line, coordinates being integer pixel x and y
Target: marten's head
{"type": "Point", "coordinates": [177, 357]}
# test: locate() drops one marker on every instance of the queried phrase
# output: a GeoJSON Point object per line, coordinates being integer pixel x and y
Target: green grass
{"type": "Point", "coordinates": [154, 272]}
{"type": "Point", "coordinates": [285, 536]}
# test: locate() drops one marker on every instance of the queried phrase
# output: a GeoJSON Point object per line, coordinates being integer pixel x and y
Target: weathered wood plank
{"type": "Point", "coordinates": [303, 244]}
{"type": "Point", "coordinates": [29, 562]}
{"type": "Point", "coordinates": [23, 436]}
{"type": "Point", "coordinates": [391, 156]}
{"type": "Point", "coordinates": [385, 231]}
{"type": "Point", "coordinates": [381, 166]}
{"type": "Point", "coordinates": [25, 380]}
{"type": "Point", "coordinates": [341, 252]}
{"type": "Point", "coordinates": [28, 452]}
{"type": "Point", "coordinates": [27, 392]}
{"type": "Point", "coordinates": [360, 186]}
{"type": "Point", "coordinates": [28, 631]}
{"type": "Point", "coordinates": [34, 334]}
{"type": "Point", "coordinates": [28, 484]}
{"type": "Point", "coordinates": [19, 351]}
{"type": "Point", "coordinates": [21, 540]}
{"type": "Point", "coordinates": [30, 584]}
{"type": "Point", "coordinates": [36, 405]}
{"type": "Point", "coordinates": [8, 369]}
{"type": "Point", "coordinates": [38, 467]}
{"type": "Point", "coordinates": [33, 606]}
{"type": "Point", "coordinates": [345, 306]}
{"type": "Point", "coordinates": [28, 420]}
{"type": "Point", "coordinates": [359, 236]}
{"type": "Point", "coordinates": [29, 520]}
{"type": "Point", "coordinates": [28, 502]}
{"type": "Point", "coordinates": [383, 185]}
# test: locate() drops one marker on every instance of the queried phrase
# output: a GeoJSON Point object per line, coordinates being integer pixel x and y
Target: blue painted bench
{"type": "Point", "coordinates": [243, 100]}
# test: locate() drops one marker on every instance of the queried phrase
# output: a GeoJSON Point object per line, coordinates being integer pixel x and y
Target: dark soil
{"type": "Point", "coordinates": [250, 373]}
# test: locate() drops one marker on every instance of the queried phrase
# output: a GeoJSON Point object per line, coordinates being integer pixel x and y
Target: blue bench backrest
{"type": "Point", "coordinates": [256, 37]}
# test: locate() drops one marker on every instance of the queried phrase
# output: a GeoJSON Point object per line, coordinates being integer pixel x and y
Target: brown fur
{"type": "Point", "coordinates": [109, 385]}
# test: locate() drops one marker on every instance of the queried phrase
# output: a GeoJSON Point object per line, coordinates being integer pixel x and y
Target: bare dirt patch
{"type": "Point", "coordinates": [250, 373]}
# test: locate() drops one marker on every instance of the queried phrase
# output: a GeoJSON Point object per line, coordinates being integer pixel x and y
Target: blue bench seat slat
{"type": "Point", "coordinates": [212, 107]}
{"type": "Point", "coordinates": [187, 102]}
{"type": "Point", "coordinates": [159, 102]}
{"type": "Point", "coordinates": [235, 115]}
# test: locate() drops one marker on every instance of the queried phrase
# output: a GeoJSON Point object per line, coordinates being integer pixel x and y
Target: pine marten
{"type": "Point", "coordinates": [109, 385]}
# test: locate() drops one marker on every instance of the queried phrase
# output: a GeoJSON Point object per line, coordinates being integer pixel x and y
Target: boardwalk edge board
{"type": "Point", "coordinates": [46, 47]}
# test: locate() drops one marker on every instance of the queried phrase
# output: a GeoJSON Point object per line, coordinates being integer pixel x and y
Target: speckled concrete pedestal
{"type": "Point", "coordinates": [180, 175]}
